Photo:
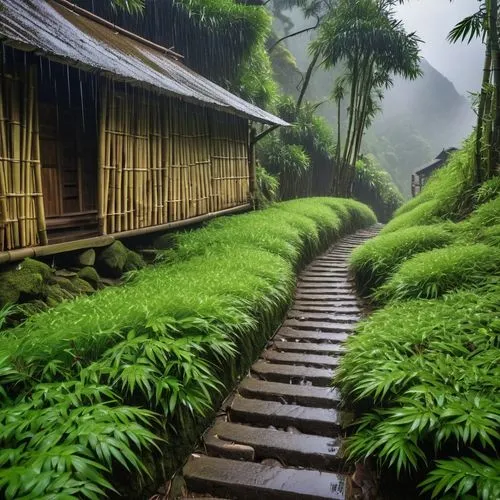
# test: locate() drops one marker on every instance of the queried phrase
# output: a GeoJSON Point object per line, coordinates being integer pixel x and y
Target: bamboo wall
{"type": "Point", "coordinates": [163, 160]}
{"type": "Point", "coordinates": [22, 219]}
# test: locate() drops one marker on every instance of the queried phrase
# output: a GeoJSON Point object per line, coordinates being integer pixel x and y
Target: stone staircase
{"type": "Point", "coordinates": [281, 432]}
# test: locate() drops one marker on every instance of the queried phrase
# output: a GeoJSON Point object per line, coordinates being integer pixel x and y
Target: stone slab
{"type": "Point", "coordinates": [251, 481]}
{"type": "Point", "coordinates": [292, 374]}
{"type": "Point", "coordinates": [318, 421]}
{"type": "Point", "coordinates": [304, 395]}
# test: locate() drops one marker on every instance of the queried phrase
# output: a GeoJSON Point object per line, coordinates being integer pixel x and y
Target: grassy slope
{"type": "Point", "coordinates": [424, 374]}
{"type": "Point", "coordinates": [91, 386]}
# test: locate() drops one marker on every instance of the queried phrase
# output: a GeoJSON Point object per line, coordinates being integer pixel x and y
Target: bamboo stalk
{"type": "Point", "coordinates": [15, 154]}
{"type": "Point", "coordinates": [113, 125]}
{"type": "Point", "coordinates": [165, 145]}
{"type": "Point", "coordinates": [39, 200]}
{"type": "Point", "coordinates": [30, 229]}
{"type": "Point", "coordinates": [119, 219]}
{"type": "Point", "coordinates": [4, 213]}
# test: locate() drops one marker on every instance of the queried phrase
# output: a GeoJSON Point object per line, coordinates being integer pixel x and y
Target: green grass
{"type": "Point", "coordinates": [89, 387]}
{"type": "Point", "coordinates": [448, 195]}
{"type": "Point", "coordinates": [422, 373]}
{"type": "Point", "coordinates": [432, 274]}
{"type": "Point", "coordinates": [375, 261]}
{"type": "Point", "coordinates": [429, 371]}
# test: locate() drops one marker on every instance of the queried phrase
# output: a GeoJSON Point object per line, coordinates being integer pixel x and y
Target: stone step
{"type": "Point", "coordinates": [305, 280]}
{"type": "Point", "coordinates": [289, 448]}
{"type": "Point", "coordinates": [303, 395]}
{"type": "Point", "coordinates": [340, 290]}
{"type": "Point", "coordinates": [329, 306]}
{"type": "Point", "coordinates": [323, 326]}
{"type": "Point", "coordinates": [292, 374]}
{"type": "Point", "coordinates": [251, 481]}
{"type": "Point", "coordinates": [325, 285]}
{"type": "Point", "coordinates": [290, 358]}
{"type": "Point", "coordinates": [317, 421]}
{"type": "Point", "coordinates": [303, 335]}
{"type": "Point", "coordinates": [309, 347]}
{"type": "Point", "coordinates": [336, 317]}
{"type": "Point", "coordinates": [323, 297]}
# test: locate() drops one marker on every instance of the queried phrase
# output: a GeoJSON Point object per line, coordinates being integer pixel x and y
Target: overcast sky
{"type": "Point", "coordinates": [432, 20]}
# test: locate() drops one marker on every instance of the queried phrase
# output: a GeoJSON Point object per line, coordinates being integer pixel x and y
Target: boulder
{"type": "Point", "coordinates": [134, 261]}
{"type": "Point", "coordinates": [90, 275]}
{"type": "Point", "coordinates": [24, 281]}
{"type": "Point", "coordinates": [111, 261]}
{"type": "Point", "coordinates": [85, 258]}
{"type": "Point", "coordinates": [82, 285]}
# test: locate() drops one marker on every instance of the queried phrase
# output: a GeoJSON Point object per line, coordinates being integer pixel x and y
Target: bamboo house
{"type": "Point", "coordinates": [104, 134]}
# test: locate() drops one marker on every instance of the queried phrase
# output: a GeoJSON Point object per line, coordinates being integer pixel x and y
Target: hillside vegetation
{"type": "Point", "coordinates": [422, 371]}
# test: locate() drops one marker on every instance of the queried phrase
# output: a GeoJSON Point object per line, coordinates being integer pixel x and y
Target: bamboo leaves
{"type": "Point", "coordinates": [77, 379]}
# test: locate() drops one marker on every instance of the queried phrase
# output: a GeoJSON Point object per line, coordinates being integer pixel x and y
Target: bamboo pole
{"type": "Point", "coordinates": [112, 162]}
{"type": "Point", "coordinates": [40, 208]}
{"type": "Point", "coordinates": [28, 165]}
{"type": "Point", "coordinates": [15, 155]}
{"type": "Point", "coordinates": [4, 212]}
{"type": "Point", "coordinates": [165, 144]}
{"type": "Point", "coordinates": [119, 206]}
{"type": "Point", "coordinates": [102, 157]}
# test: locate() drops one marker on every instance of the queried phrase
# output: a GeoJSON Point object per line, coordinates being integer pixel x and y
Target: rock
{"type": "Point", "coordinates": [86, 258]}
{"type": "Point", "coordinates": [111, 261]}
{"type": "Point", "coordinates": [134, 261]}
{"type": "Point", "coordinates": [56, 294]}
{"type": "Point", "coordinates": [23, 282]}
{"type": "Point", "coordinates": [66, 285]}
{"type": "Point", "coordinates": [90, 275]}
{"type": "Point", "coordinates": [65, 273]}
{"type": "Point", "coordinates": [82, 285]}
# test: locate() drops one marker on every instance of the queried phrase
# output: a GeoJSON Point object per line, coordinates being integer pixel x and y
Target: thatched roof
{"type": "Point", "coordinates": [60, 31]}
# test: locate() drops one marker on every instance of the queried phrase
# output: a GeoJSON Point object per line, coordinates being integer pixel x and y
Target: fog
{"type": "Point", "coordinates": [433, 20]}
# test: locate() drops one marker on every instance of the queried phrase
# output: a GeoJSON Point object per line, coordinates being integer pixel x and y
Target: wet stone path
{"type": "Point", "coordinates": [281, 432]}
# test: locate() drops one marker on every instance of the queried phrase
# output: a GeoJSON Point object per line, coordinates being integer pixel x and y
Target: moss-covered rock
{"type": "Point", "coordinates": [82, 285]}
{"type": "Point", "coordinates": [23, 282]}
{"type": "Point", "coordinates": [134, 262]}
{"type": "Point", "coordinates": [111, 261]}
{"type": "Point", "coordinates": [86, 258]}
{"type": "Point", "coordinates": [56, 294]}
{"type": "Point", "coordinates": [90, 275]}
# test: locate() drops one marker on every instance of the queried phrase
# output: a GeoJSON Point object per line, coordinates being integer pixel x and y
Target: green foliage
{"type": "Point", "coordinates": [374, 186]}
{"type": "Point", "coordinates": [430, 368]}
{"type": "Point", "coordinates": [447, 195]}
{"type": "Point", "coordinates": [477, 477]}
{"type": "Point", "coordinates": [487, 190]}
{"type": "Point", "coordinates": [301, 155]}
{"type": "Point", "coordinates": [423, 371]}
{"type": "Point", "coordinates": [375, 261]}
{"type": "Point", "coordinates": [80, 382]}
{"type": "Point", "coordinates": [267, 187]}
{"type": "Point", "coordinates": [431, 274]}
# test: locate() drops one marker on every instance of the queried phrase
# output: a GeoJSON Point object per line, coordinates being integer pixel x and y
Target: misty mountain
{"type": "Point", "coordinates": [418, 120]}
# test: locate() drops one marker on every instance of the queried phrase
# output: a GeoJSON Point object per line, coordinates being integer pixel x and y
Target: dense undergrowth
{"type": "Point", "coordinates": [97, 387]}
{"type": "Point", "coordinates": [423, 371]}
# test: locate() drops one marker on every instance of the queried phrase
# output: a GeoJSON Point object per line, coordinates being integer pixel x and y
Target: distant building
{"type": "Point", "coordinates": [422, 174]}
